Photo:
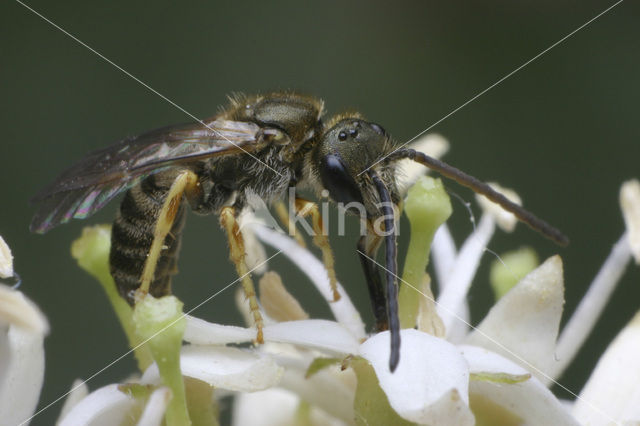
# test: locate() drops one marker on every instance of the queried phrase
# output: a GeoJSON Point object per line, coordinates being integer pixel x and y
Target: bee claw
{"type": "Point", "coordinates": [259, 337]}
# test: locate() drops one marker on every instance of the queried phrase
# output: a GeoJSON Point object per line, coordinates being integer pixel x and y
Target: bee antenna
{"type": "Point", "coordinates": [391, 268]}
{"type": "Point", "coordinates": [482, 188]}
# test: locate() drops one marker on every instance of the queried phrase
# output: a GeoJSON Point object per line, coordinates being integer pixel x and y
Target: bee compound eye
{"type": "Point", "coordinates": [336, 179]}
{"type": "Point", "coordinates": [378, 129]}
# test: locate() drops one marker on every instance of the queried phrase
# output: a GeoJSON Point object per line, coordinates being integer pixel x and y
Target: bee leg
{"type": "Point", "coordinates": [367, 248]}
{"type": "Point", "coordinates": [285, 218]}
{"type": "Point", "coordinates": [309, 208]}
{"type": "Point", "coordinates": [229, 223]}
{"type": "Point", "coordinates": [185, 183]}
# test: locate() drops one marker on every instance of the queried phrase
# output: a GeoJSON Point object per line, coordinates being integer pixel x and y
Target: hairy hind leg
{"type": "Point", "coordinates": [228, 221]}
{"type": "Point", "coordinates": [309, 208]}
{"type": "Point", "coordinates": [185, 183]}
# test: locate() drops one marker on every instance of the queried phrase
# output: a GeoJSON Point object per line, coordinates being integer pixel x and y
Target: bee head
{"type": "Point", "coordinates": [347, 164]}
{"type": "Point", "coordinates": [349, 147]}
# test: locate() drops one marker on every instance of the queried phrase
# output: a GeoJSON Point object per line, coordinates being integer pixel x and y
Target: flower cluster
{"type": "Point", "coordinates": [318, 371]}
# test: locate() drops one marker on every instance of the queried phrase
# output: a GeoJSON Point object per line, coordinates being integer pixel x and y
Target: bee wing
{"type": "Point", "coordinates": [91, 183]}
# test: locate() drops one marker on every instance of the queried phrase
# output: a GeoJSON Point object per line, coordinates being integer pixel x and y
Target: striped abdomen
{"type": "Point", "coordinates": [132, 235]}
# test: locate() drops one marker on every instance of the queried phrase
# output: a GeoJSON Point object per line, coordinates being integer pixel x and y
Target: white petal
{"type": "Point", "coordinates": [443, 253]}
{"type": "Point", "coordinates": [431, 381]}
{"type": "Point", "coordinates": [79, 390]}
{"type": "Point", "coordinates": [222, 367]}
{"type": "Point", "coordinates": [271, 407]}
{"type": "Point", "coordinates": [106, 406]}
{"type": "Point", "coordinates": [586, 315]}
{"type": "Point", "coordinates": [16, 309]}
{"type": "Point", "coordinates": [330, 389]}
{"type": "Point", "coordinates": [21, 373]}
{"type": "Point", "coordinates": [343, 310]}
{"type": "Point", "coordinates": [255, 256]}
{"type": "Point", "coordinates": [323, 335]}
{"type": "Point", "coordinates": [505, 220]}
{"type": "Point", "coordinates": [523, 324]}
{"type": "Point", "coordinates": [612, 392]}
{"type": "Point", "coordinates": [243, 307]}
{"type": "Point", "coordinates": [6, 260]}
{"type": "Point", "coordinates": [630, 204]}
{"type": "Point", "coordinates": [529, 400]}
{"type": "Point", "coordinates": [328, 336]}
{"type": "Point", "coordinates": [201, 332]}
{"type": "Point", "coordinates": [22, 332]}
{"type": "Point", "coordinates": [459, 329]}
{"type": "Point", "coordinates": [259, 214]}
{"type": "Point", "coordinates": [153, 413]}
{"type": "Point", "coordinates": [452, 300]}
{"type": "Point", "coordinates": [274, 407]}
{"type": "Point", "coordinates": [432, 144]}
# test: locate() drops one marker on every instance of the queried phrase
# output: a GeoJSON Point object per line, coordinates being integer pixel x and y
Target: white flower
{"type": "Point", "coordinates": [427, 389]}
{"type": "Point", "coordinates": [612, 393]}
{"type": "Point", "coordinates": [22, 331]}
{"type": "Point", "coordinates": [519, 336]}
{"type": "Point", "coordinates": [332, 372]}
{"type": "Point", "coordinates": [6, 260]}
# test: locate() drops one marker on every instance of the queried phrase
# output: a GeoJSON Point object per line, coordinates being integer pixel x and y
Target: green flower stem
{"type": "Point", "coordinates": [91, 251]}
{"type": "Point", "coordinates": [160, 323]}
{"type": "Point", "coordinates": [427, 206]}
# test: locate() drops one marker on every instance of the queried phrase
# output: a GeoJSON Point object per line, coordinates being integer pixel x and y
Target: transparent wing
{"type": "Point", "coordinates": [91, 183]}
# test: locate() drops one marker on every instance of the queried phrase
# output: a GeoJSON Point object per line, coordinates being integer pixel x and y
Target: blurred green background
{"type": "Point", "coordinates": [563, 131]}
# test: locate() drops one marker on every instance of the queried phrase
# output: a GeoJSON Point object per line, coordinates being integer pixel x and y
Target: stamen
{"type": "Point", "coordinates": [277, 302]}
{"type": "Point", "coordinates": [592, 304]}
{"type": "Point", "coordinates": [454, 292]}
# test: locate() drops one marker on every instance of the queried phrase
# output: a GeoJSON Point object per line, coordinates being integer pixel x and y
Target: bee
{"type": "Point", "coordinates": [258, 146]}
